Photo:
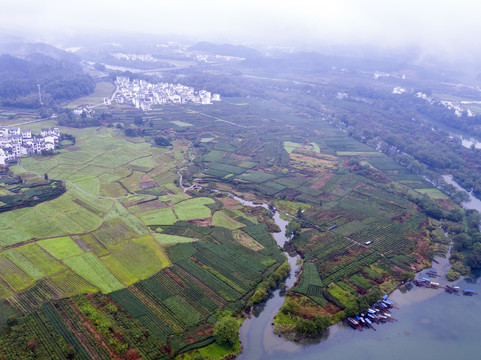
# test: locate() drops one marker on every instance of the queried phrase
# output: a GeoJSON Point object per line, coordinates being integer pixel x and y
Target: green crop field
{"type": "Point", "coordinates": [17, 278]}
{"type": "Point", "coordinates": [135, 260]}
{"type": "Point", "coordinates": [181, 123]}
{"type": "Point", "coordinates": [23, 263]}
{"type": "Point", "coordinates": [166, 239]}
{"type": "Point", "coordinates": [193, 209]}
{"type": "Point", "coordinates": [433, 193]}
{"type": "Point", "coordinates": [61, 247]}
{"type": "Point", "coordinates": [42, 261]}
{"type": "Point", "coordinates": [92, 270]}
{"type": "Point", "coordinates": [221, 219]}
{"type": "Point", "coordinates": [102, 90]}
{"type": "Point", "coordinates": [163, 216]}
{"type": "Point", "coordinates": [33, 261]}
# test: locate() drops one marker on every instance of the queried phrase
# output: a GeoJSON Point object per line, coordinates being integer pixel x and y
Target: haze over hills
{"type": "Point", "coordinates": [157, 190]}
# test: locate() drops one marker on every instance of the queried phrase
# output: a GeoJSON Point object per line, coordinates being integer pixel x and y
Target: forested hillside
{"type": "Point", "coordinates": [58, 80]}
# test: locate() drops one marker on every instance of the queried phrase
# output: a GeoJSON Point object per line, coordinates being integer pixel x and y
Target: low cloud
{"type": "Point", "coordinates": [450, 29]}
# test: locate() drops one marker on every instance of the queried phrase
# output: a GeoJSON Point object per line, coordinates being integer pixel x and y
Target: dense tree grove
{"type": "Point", "coordinates": [226, 331]}
{"type": "Point", "coordinates": [58, 81]}
{"type": "Point", "coordinates": [162, 141]}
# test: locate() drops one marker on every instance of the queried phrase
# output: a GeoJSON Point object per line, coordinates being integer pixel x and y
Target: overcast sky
{"type": "Point", "coordinates": [448, 27]}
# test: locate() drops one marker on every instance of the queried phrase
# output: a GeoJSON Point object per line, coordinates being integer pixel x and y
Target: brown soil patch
{"type": "Point", "coordinates": [246, 240]}
{"type": "Point", "coordinates": [446, 204]}
{"type": "Point", "coordinates": [230, 203]}
{"type": "Point", "coordinates": [145, 178]}
{"type": "Point", "coordinates": [322, 180]}
{"type": "Point", "coordinates": [240, 157]}
{"type": "Point", "coordinates": [174, 277]}
{"type": "Point", "coordinates": [401, 218]}
{"type": "Point", "coordinates": [148, 184]}
{"type": "Point", "coordinates": [204, 331]}
{"type": "Point", "coordinates": [223, 187]}
{"type": "Point", "coordinates": [202, 222]}
{"type": "Point", "coordinates": [422, 247]}
{"type": "Point", "coordinates": [158, 204]}
{"type": "Point", "coordinates": [152, 205]}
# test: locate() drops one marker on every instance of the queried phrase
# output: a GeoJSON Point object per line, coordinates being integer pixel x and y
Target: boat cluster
{"type": "Point", "coordinates": [427, 283]}
{"type": "Point", "coordinates": [378, 313]}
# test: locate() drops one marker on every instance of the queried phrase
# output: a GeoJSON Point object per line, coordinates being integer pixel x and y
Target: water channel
{"type": "Point", "coordinates": [432, 324]}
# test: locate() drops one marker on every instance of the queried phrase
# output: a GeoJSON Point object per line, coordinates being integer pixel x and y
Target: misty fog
{"type": "Point", "coordinates": [441, 28]}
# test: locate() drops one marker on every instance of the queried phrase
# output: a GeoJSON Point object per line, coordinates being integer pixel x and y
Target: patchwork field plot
{"type": "Point", "coordinates": [92, 270]}
{"type": "Point", "coordinates": [166, 239]}
{"type": "Point", "coordinates": [181, 123]}
{"type": "Point", "coordinates": [102, 90]}
{"type": "Point", "coordinates": [193, 209]}
{"type": "Point", "coordinates": [164, 216]}
{"type": "Point", "coordinates": [176, 303]}
{"type": "Point", "coordinates": [61, 247]}
{"type": "Point", "coordinates": [221, 219]}
{"type": "Point", "coordinates": [158, 261]}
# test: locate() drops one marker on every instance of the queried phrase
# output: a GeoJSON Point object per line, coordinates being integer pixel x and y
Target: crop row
{"type": "Point", "coordinates": [324, 251]}
{"type": "Point", "coordinates": [211, 281]}
{"type": "Point", "coordinates": [260, 234]}
{"type": "Point", "coordinates": [352, 268]}
{"type": "Point", "coordinates": [130, 303]}
{"type": "Point", "coordinates": [77, 325]}
{"type": "Point", "coordinates": [60, 328]}
{"type": "Point", "coordinates": [310, 277]}
{"type": "Point", "coordinates": [180, 288]}
{"type": "Point", "coordinates": [30, 299]}
{"type": "Point", "coordinates": [226, 269]}
{"type": "Point", "coordinates": [157, 308]}
{"type": "Point", "coordinates": [198, 293]}
{"type": "Point", "coordinates": [249, 263]}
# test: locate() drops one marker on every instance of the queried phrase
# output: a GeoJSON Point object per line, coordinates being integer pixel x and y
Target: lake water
{"type": "Point", "coordinates": [432, 324]}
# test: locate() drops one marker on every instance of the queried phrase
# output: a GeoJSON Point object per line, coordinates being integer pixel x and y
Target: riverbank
{"type": "Point", "coordinates": [432, 319]}
{"type": "Point", "coordinates": [427, 318]}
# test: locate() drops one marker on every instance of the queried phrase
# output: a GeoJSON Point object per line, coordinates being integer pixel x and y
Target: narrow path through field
{"type": "Point", "coordinates": [213, 117]}
{"type": "Point", "coordinates": [28, 122]}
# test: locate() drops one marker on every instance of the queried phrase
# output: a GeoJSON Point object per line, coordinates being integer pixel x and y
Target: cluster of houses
{"type": "Point", "coordinates": [15, 142]}
{"type": "Point", "coordinates": [134, 57]}
{"type": "Point", "coordinates": [143, 94]}
{"type": "Point", "coordinates": [455, 106]}
{"type": "Point", "coordinates": [451, 105]}
{"type": "Point", "coordinates": [216, 58]}
{"type": "Point", "coordinates": [79, 110]}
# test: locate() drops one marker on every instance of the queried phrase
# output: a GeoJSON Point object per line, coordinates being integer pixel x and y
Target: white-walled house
{"type": "Point", "coordinates": [15, 142]}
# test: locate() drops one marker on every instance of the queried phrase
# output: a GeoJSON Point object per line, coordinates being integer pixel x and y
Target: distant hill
{"type": "Point", "coordinates": [25, 50]}
{"type": "Point", "coordinates": [60, 80]}
{"type": "Point", "coordinates": [226, 49]}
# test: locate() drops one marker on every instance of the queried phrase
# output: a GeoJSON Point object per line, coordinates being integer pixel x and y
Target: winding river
{"type": "Point", "coordinates": [432, 324]}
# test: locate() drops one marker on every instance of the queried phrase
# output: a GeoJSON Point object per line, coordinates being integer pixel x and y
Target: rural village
{"type": "Point", "coordinates": [143, 94]}
{"type": "Point", "coordinates": [15, 142]}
